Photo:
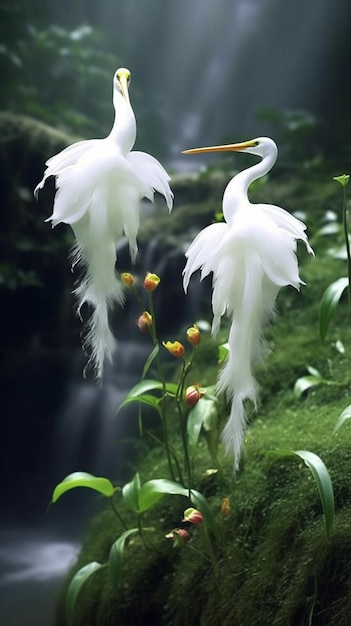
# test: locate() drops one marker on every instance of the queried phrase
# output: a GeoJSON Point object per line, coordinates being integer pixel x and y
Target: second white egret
{"type": "Point", "coordinates": [251, 255]}
{"type": "Point", "coordinates": [100, 183]}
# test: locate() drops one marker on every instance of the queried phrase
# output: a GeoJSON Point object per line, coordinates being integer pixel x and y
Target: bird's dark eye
{"type": "Point", "coordinates": [256, 143]}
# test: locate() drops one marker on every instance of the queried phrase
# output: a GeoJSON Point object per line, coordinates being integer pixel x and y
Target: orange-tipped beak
{"type": "Point", "coordinates": [225, 148]}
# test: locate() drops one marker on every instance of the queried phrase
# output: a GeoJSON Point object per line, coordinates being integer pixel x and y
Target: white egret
{"type": "Point", "coordinates": [251, 255]}
{"type": "Point", "coordinates": [100, 183]}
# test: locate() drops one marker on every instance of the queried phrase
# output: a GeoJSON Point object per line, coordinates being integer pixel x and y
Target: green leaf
{"type": "Point", "coordinates": [343, 417]}
{"type": "Point", "coordinates": [201, 503]}
{"type": "Point", "coordinates": [328, 305]}
{"type": "Point", "coordinates": [143, 399]}
{"type": "Point", "coordinates": [324, 484]}
{"type": "Point", "coordinates": [204, 416]}
{"type": "Point", "coordinates": [153, 490]}
{"type": "Point", "coordinates": [83, 479]}
{"type": "Point", "coordinates": [212, 440]}
{"type": "Point", "coordinates": [76, 584]}
{"type": "Point", "coordinates": [307, 382]}
{"type": "Point", "coordinates": [195, 421]}
{"type": "Point", "coordinates": [322, 478]}
{"type": "Point", "coordinates": [223, 351]}
{"type": "Point", "coordinates": [150, 359]}
{"type": "Point", "coordinates": [139, 391]}
{"type": "Point", "coordinates": [115, 560]}
{"type": "Point", "coordinates": [131, 493]}
{"type": "Point", "coordinates": [314, 372]}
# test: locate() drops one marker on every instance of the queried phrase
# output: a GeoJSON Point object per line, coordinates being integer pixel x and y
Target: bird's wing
{"type": "Point", "coordinates": [203, 251]}
{"type": "Point", "coordinates": [100, 181]}
{"type": "Point", "coordinates": [153, 176]}
{"type": "Point", "coordinates": [275, 244]}
{"type": "Point", "coordinates": [288, 222]}
{"type": "Point", "coordinates": [66, 158]}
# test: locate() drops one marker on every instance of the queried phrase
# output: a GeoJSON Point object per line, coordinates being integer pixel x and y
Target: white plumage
{"type": "Point", "coordinates": [251, 255]}
{"type": "Point", "coordinates": [99, 185]}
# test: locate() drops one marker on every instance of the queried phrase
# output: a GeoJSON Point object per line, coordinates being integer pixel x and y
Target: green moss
{"type": "Point", "coordinates": [278, 568]}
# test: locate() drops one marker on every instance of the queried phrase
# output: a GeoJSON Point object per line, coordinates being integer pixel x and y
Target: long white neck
{"type": "Point", "coordinates": [124, 127]}
{"type": "Point", "coordinates": [236, 190]}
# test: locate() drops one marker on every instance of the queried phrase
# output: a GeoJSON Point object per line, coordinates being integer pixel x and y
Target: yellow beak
{"type": "Point", "coordinates": [225, 148]}
{"type": "Point", "coordinates": [123, 81]}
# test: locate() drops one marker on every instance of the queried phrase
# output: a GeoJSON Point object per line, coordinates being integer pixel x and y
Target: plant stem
{"type": "Point", "coordinates": [345, 213]}
{"type": "Point", "coordinates": [182, 420]}
{"type": "Point", "coordinates": [163, 412]}
{"type": "Point", "coordinates": [209, 550]}
{"type": "Point", "coordinates": [118, 515]}
{"type": "Point", "coordinates": [190, 547]}
{"type": "Point", "coordinates": [183, 433]}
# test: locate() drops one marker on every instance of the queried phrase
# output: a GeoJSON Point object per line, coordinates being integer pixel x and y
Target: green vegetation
{"type": "Point", "coordinates": [275, 565]}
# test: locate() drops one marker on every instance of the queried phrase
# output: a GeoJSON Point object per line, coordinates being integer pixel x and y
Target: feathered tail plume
{"type": "Point", "coordinates": [101, 289]}
{"type": "Point", "coordinates": [247, 348]}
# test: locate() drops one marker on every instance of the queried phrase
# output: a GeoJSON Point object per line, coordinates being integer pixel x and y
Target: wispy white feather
{"type": "Point", "coordinates": [99, 185]}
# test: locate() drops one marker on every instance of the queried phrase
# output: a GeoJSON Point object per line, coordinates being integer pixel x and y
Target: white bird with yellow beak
{"type": "Point", "coordinates": [100, 183]}
{"type": "Point", "coordinates": [251, 255]}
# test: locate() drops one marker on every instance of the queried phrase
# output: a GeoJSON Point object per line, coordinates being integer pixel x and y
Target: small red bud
{"type": "Point", "coordinates": [178, 536]}
{"type": "Point", "coordinates": [193, 516]}
{"type": "Point", "coordinates": [144, 322]}
{"type": "Point", "coordinates": [192, 395]}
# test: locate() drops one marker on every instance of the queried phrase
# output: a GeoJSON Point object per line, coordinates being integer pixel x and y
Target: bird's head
{"type": "Point", "coordinates": [121, 82]}
{"type": "Point", "coordinates": [261, 146]}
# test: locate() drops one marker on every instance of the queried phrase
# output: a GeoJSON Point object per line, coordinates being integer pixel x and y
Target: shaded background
{"type": "Point", "coordinates": [202, 72]}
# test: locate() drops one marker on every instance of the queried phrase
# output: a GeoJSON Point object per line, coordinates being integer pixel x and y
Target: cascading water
{"type": "Point", "coordinates": [72, 425]}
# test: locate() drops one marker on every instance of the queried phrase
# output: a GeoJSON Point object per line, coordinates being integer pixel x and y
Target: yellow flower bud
{"type": "Point", "coordinates": [151, 281]}
{"type": "Point", "coordinates": [225, 508]}
{"type": "Point", "coordinates": [174, 347]}
{"type": "Point", "coordinates": [194, 336]}
{"type": "Point", "coordinates": [127, 279]}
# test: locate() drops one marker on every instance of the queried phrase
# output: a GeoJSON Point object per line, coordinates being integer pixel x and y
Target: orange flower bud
{"type": "Point", "coordinates": [174, 347]}
{"type": "Point", "coordinates": [144, 322]}
{"type": "Point", "coordinates": [225, 508]}
{"type": "Point", "coordinates": [194, 336]}
{"type": "Point", "coordinates": [127, 279]}
{"type": "Point", "coordinates": [178, 536]}
{"type": "Point", "coordinates": [192, 395]}
{"type": "Point", "coordinates": [151, 281]}
{"type": "Point", "coordinates": [193, 516]}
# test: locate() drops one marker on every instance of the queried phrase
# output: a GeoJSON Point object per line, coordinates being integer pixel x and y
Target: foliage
{"type": "Point", "coordinates": [53, 73]}
{"type": "Point", "coordinates": [138, 505]}
{"type": "Point", "coordinates": [140, 498]}
{"type": "Point", "coordinates": [334, 292]}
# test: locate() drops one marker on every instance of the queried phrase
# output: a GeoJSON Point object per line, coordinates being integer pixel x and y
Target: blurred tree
{"type": "Point", "coordinates": [54, 73]}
